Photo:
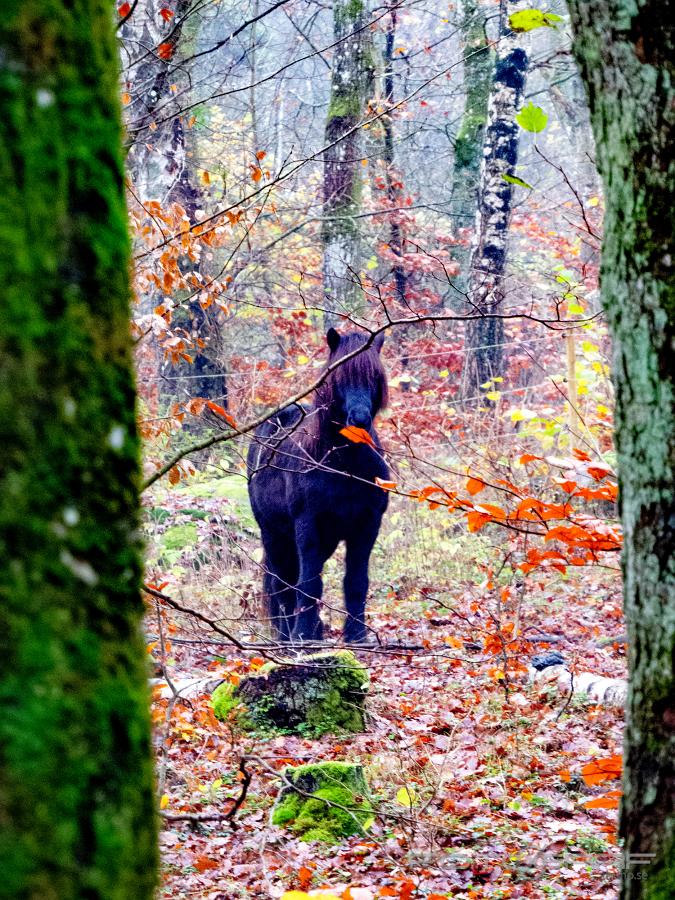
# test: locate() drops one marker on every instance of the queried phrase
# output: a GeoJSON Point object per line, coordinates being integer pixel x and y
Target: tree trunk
{"type": "Point", "coordinates": [488, 258]}
{"type": "Point", "coordinates": [626, 51]}
{"type": "Point", "coordinates": [350, 88]}
{"type": "Point", "coordinates": [393, 178]}
{"type": "Point", "coordinates": [157, 156]}
{"type": "Point", "coordinates": [77, 816]}
{"type": "Point", "coordinates": [470, 140]}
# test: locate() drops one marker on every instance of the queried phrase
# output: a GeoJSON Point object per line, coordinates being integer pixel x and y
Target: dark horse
{"type": "Point", "coordinates": [311, 488]}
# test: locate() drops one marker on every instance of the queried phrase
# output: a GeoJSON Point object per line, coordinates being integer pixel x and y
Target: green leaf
{"type": "Point", "coordinates": [519, 181]}
{"type": "Point", "coordinates": [532, 118]}
{"type": "Point", "coordinates": [528, 19]}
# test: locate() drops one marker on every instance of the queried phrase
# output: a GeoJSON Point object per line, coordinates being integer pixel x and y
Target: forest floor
{"type": "Point", "coordinates": [494, 806]}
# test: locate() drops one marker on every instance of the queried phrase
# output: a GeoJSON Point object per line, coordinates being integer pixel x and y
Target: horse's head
{"type": "Point", "coordinates": [355, 391]}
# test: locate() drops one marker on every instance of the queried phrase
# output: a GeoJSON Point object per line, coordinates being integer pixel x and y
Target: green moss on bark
{"type": "Point", "coordinates": [78, 814]}
{"type": "Point", "coordinates": [327, 802]}
{"type": "Point", "coordinates": [625, 52]}
{"type": "Point", "coordinates": [322, 693]}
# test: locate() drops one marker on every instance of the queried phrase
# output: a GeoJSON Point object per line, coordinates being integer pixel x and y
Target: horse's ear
{"type": "Point", "coordinates": [379, 340]}
{"type": "Point", "coordinates": [333, 339]}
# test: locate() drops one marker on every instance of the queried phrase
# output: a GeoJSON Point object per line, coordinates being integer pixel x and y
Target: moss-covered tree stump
{"type": "Point", "coordinates": [321, 693]}
{"type": "Point", "coordinates": [324, 802]}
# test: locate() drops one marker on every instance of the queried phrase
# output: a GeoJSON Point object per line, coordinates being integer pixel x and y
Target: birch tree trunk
{"type": "Point", "coordinates": [470, 140]}
{"type": "Point", "coordinates": [157, 156]}
{"type": "Point", "coordinates": [625, 51]}
{"type": "Point", "coordinates": [351, 80]}
{"type": "Point", "coordinates": [488, 257]}
{"type": "Point", "coordinates": [77, 809]}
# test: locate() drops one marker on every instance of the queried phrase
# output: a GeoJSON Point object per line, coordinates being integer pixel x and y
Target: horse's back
{"type": "Point", "coordinates": [267, 464]}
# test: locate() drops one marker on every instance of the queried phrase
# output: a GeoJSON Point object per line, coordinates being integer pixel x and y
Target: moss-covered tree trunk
{"type": "Point", "coordinates": [470, 140]}
{"type": "Point", "coordinates": [351, 80]}
{"type": "Point", "coordinates": [393, 178]}
{"type": "Point", "coordinates": [484, 336]}
{"type": "Point", "coordinates": [626, 52]}
{"type": "Point", "coordinates": [77, 816]}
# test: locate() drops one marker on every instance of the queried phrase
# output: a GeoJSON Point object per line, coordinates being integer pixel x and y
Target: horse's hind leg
{"type": "Point", "coordinates": [281, 573]}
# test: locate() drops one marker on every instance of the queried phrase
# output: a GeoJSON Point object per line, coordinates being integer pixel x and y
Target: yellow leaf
{"type": "Point", "coordinates": [517, 415]}
{"type": "Point", "coordinates": [593, 201]}
{"type": "Point", "coordinates": [164, 802]}
{"type": "Point", "coordinates": [126, 99]}
{"type": "Point", "coordinates": [498, 379]}
{"type": "Point", "coordinates": [493, 395]}
{"type": "Point", "coordinates": [443, 373]}
{"type": "Point", "coordinates": [303, 360]}
{"type": "Point", "coordinates": [486, 385]}
{"type": "Point", "coordinates": [295, 895]}
{"type": "Point", "coordinates": [405, 796]}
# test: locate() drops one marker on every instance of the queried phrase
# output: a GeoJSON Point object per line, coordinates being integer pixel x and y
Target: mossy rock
{"type": "Point", "coordinates": [321, 693]}
{"type": "Point", "coordinates": [338, 807]}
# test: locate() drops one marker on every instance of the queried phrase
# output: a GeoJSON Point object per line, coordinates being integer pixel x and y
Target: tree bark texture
{"type": "Point", "coordinates": [488, 257]}
{"type": "Point", "coordinates": [393, 178]}
{"type": "Point", "coordinates": [157, 156]}
{"type": "Point", "coordinates": [625, 51]}
{"type": "Point", "coordinates": [470, 139]}
{"type": "Point", "coordinates": [351, 80]}
{"type": "Point", "coordinates": [77, 810]}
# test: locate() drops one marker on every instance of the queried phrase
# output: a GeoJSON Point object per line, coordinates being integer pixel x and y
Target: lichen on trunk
{"type": "Point", "coordinates": [351, 77]}
{"type": "Point", "coordinates": [625, 52]}
{"type": "Point", "coordinates": [469, 142]}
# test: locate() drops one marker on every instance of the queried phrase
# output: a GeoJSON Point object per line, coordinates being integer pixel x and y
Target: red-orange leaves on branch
{"type": "Point", "coordinates": [385, 485]}
{"type": "Point", "coordinates": [166, 14]}
{"type": "Point", "coordinates": [165, 51]}
{"type": "Point", "coordinates": [124, 10]}
{"type": "Point", "coordinates": [220, 411]}
{"type": "Point", "coordinates": [357, 435]}
{"type": "Point", "coordinates": [533, 510]}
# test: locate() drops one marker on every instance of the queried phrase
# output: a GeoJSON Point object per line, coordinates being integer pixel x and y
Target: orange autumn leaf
{"type": "Point", "coordinates": [260, 155]}
{"type": "Point", "coordinates": [385, 485]}
{"type": "Point", "coordinates": [166, 14]}
{"type": "Point", "coordinates": [496, 512]}
{"type": "Point", "coordinates": [174, 475]}
{"type": "Point", "coordinates": [357, 435]}
{"type": "Point", "coordinates": [202, 863]}
{"type": "Point", "coordinates": [220, 411]}
{"type": "Point", "coordinates": [165, 51]}
{"type": "Point", "coordinates": [610, 800]}
{"type": "Point", "coordinates": [124, 10]}
{"type": "Point", "coordinates": [528, 457]}
{"type": "Point", "coordinates": [599, 770]}
{"type": "Point", "coordinates": [476, 520]}
{"type": "Point", "coordinates": [126, 98]}
{"type": "Point", "coordinates": [474, 486]}
{"type": "Point", "coordinates": [581, 454]}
